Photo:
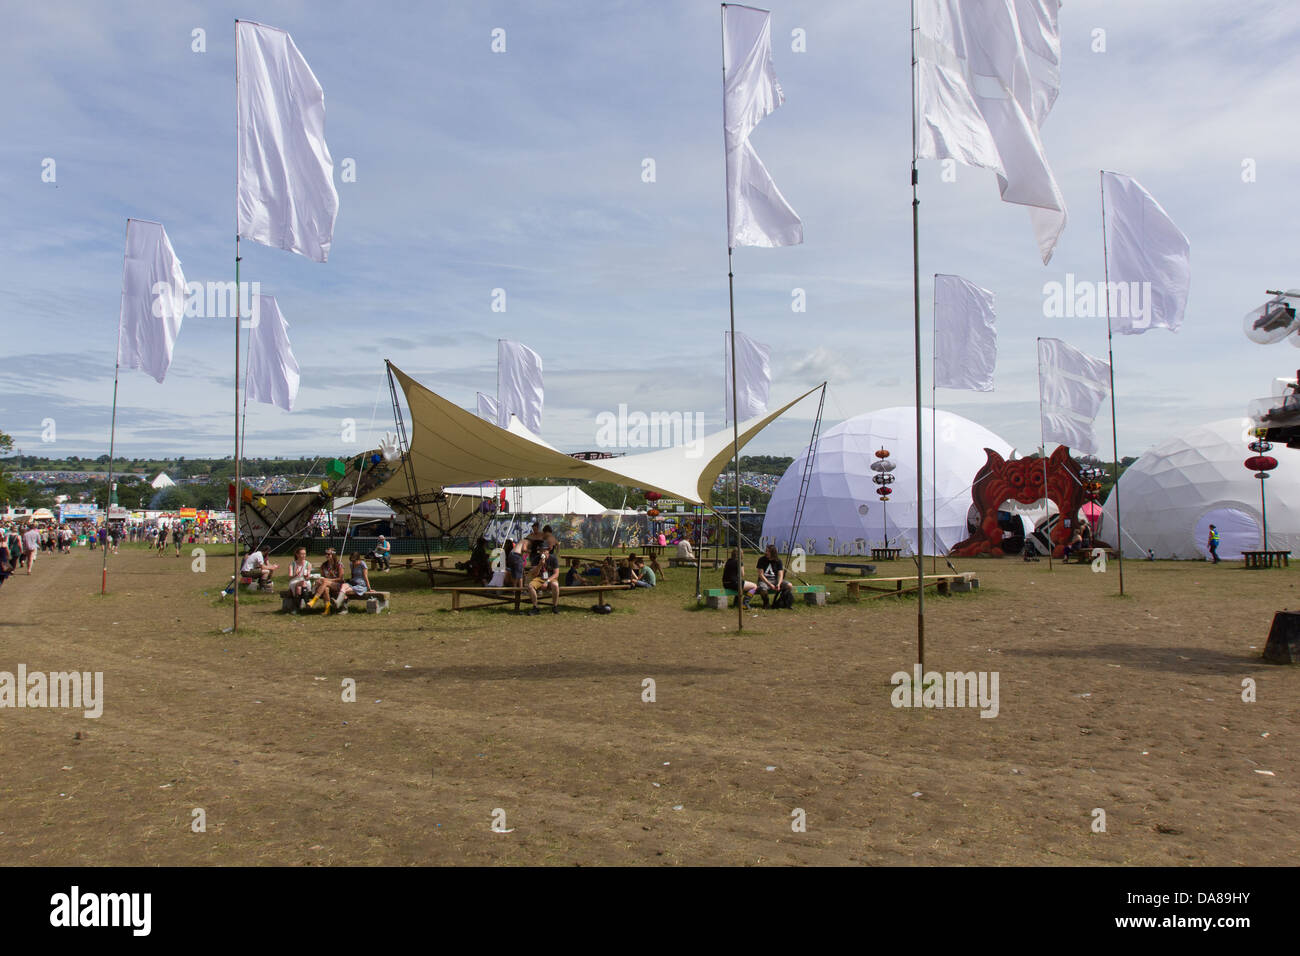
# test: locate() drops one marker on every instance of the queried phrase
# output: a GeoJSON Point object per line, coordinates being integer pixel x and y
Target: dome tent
{"type": "Point", "coordinates": [1172, 494]}
{"type": "Point", "coordinates": [842, 503]}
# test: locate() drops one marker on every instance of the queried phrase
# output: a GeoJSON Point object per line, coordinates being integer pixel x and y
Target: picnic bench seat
{"type": "Point", "coordinates": [376, 601]}
{"type": "Point", "coordinates": [885, 554]}
{"type": "Point", "coordinates": [1267, 559]}
{"type": "Point", "coordinates": [944, 583]}
{"type": "Point", "coordinates": [717, 598]}
{"type": "Point", "coordinates": [1085, 556]}
{"type": "Point", "coordinates": [863, 569]}
{"type": "Point", "coordinates": [676, 562]}
{"type": "Point", "coordinates": [516, 595]}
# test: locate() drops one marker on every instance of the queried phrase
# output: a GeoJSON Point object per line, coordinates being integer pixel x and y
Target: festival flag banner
{"type": "Point", "coordinates": [1148, 259]}
{"type": "Point", "coordinates": [487, 407]}
{"type": "Point", "coordinates": [153, 300]}
{"type": "Point", "coordinates": [272, 370]}
{"type": "Point", "coordinates": [988, 73]}
{"type": "Point", "coordinates": [757, 213]}
{"type": "Point", "coordinates": [1071, 387]}
{"type": "Point", "coordinates": [753, 375]}
{"type": "Point", "coordinates": [285, 195]}
{"type": "Point", "coordinates": [519, 385]}
{"type": "Point", "coordinates": [965, 335]}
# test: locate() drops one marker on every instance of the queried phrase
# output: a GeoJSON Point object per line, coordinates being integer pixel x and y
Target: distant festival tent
{"type": "Point", "coordinates": [162, 481]}
{"type": "Point", "coordinates": [842, 502]}
{"type": "Point", "coordinates": [1173, 493]}
{"type": "Point", "coordinates": [538, 499]}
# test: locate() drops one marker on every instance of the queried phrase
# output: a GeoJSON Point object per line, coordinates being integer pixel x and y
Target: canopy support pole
{"type": "Point", "coordinates": [1110, 356]}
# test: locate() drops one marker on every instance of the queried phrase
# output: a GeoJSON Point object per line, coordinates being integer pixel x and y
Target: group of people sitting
{"type": "Point", "coordinates": [330, 583]}
{"type": "Point", "coordinates": [1081, 540]}
{"type": "Point", "coordinates": [771, 580]}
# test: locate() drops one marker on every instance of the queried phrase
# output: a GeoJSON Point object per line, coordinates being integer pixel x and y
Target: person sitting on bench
{"type": "Point", "coordinates": [684, 550]}
{"type": "Point", "coordinates": [1076, 542]}
{"type": "Point", "coordinates": [479, 566]}
{"type": "Point", "coordinates": [331, 580]}
{"type": "Point", "coordinates": [255, 566]}
{"type": "Point", "coordinates": [514, 566]}
{"type": "Point", "coordinates": [731, 579]}
{"type": "Point", "coordinates": [359, 583]}
{"type": "Point", "coordinates": [771, 577]}
{"type": "Point", "coordinates": [642, 576]}
{"type": "Point", "coordinates": [382, 553]}
{"type": "Point", "coordinates": [546, 577]}
{"type": "Point", "coordinates": [299, 574]}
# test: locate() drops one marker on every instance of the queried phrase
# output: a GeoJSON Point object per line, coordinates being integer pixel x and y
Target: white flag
{"type": "Point", "coordinates": [1148, 259]}
{"type": "Point", "coordinates": [487, 407]}
{"type": "Point", "coordinates": [272, 369]}
{"type": "Point", "coordinates": [284, 194]}
{"type": "Point", "coordinates": [757, 213]}
{"type": "Point", "coordinates": [1071, 388]}
{"type": "Point", "coordinates": [988, 72]}
{"type": "Point", "coordinates": [519, 385]}
{"type": "Point", "coordinates": [153, 299]}
{"type": "Point", "coordinates": [753, 375]}
{"type": "Point", "coordinates": [965, 335]}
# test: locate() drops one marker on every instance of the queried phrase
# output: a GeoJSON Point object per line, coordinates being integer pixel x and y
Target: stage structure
{"type": "Point", "coordinates": [1024, 480]}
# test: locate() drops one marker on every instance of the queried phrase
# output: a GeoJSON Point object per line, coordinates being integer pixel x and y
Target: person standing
{"type": "Point", "coordinates": [1213, 544]}
{"type": "Point", "coordinates": [31, 544]}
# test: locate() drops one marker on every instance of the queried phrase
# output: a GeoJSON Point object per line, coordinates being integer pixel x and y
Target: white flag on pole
{"type": "Point", "coordinates": [272, 369]}
{"type": "Point", "coordinates": [988, 72]}
{"type": "Point", "coordinates": [1071, 389]}
{"type": "Point", "coordinates": [519, 385]}
{"type": "Point", "coordinates": [757, 213]}
{"type": "Point", "coordinates": [965, 335]}
{"type": "Point", "coordinates": [285, 195]}
{"type": "Point", "coordinates": [487, 408]}
{"type": "Point", "coordinates": [153, 299]}
{"type": "Point", "coordinates": [1148, 259]}
{"type": "Point", "coordinates": [753, 375]}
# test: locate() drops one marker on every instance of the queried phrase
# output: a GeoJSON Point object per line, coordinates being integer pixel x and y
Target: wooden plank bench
{"type": "Point", "coordinates": [812, 594]}
{"type": "Point", "coordinates": [675, 562]}
{"type": "Point", "coordinates": [1085, 556]}
{"type": "Point", "coordinates": [885, 554]}
{"type": "Point", "coordinates": [517, 595]}
{"type": "Point", "coordinates": [376, 601]}
{"type": "Point", "coordinates": [943, 582]}
{"type": "Point", "coordinates": [1267, 559]}
{"type": "Point", "coordinates": [840, 566]}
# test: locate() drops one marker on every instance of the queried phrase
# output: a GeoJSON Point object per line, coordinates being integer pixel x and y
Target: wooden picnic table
{"type": "Point", "coordinates": [901, 585]}
{"type": "Point", "coordinates": [1267, 559]}
{"type": "Point", "coordinates": [885, 554]}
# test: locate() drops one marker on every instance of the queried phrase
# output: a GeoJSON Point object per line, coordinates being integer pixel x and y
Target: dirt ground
{"type": "Point", "coordinates": [1131, 705]}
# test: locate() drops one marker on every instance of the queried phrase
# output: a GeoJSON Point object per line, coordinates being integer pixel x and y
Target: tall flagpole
{"type": "Point", "coordinates": [1042, 451]}
{"type": "Point", "coordinates": [1110, 355]}
{"type": "Point", "coordinates": [916, 304]}
{"type": "Point", "coordinates": [112, 434]}
{"type": "Point", "coordinates": [239, 491]}
{"type": "Point", "coordinates": [934, 431]}
{"type": "Point", "coordinates": [731, 301]}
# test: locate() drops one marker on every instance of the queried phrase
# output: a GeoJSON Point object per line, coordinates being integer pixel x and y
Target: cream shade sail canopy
{"type": "Point", "coordinates": [452, 446]}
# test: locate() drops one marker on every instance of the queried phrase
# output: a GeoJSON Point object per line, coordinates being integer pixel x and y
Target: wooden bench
{"type": "Point", "coordinates": [1085, 555]}
{"type": "Point", "coordinates": [376, 601]}
{"type": "Point", "coordinates": [1267, 559]}
{"type": "Point", "coordinates": [717, 598]}
{"type": "Point", "coordinates": [863, 569]}
{"type": "Point", "coordinates": [675, 562]}
{"type": "Point", "coordinates": [885, 554]}
{"type": "Point", "coordinates": [517, 595]}
{"type": "Point", "coordinates": [438, 561]}
{"type": "Point", "coordinates": [904, 585]}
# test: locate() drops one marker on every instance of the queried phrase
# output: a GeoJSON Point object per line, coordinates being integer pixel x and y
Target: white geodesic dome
{"type": "Point", "coordinates": [842, 505]}
{"type": "Point", "coordinates": [1172, 494]}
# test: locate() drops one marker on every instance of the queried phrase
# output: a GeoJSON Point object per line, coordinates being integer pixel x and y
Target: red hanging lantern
{"type": "Point", "coordinates": [653, 512]}
{"type": "Point", "coordinates": [1261, 463]}
{"type": "Point", "coordinates": [652, 496]}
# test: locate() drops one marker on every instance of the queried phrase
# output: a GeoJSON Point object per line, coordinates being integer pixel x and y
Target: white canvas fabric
{"type": "Point", "coordinates": [841, 487]}
{"type": "Point", "coordinates": [536, 499]}
{"type": "Point", "coordinates": [487, 408]}
{"type": "Point", "coordinates": [285, 195]}
{"type": "Point", "coordinates": [1143, 245]}
{"type": "Point", "coordinates": [988, 72]}
{"type": "Point", "coordinates": [519, 385]}
{"type": "Point", "coordinates": [753, 375]}
{"type": "Point", "coordinates": [453, 446]}
{"type": "Point", "coordinates": [965, 335]}
{"type": "Point", "coordinates": [272, 370]}
{"type": "Point", "coordinates": [1176, 489]}
{"type": "Point", "coordinates": [153, 299]}
{"type": "Point", "coordinates": [1071, 387]}
{"type": "Point", "coordinates": [757, 213]}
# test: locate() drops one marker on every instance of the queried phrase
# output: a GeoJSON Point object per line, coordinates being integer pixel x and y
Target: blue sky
{"type": "Point", "coordinates": [522, 171]}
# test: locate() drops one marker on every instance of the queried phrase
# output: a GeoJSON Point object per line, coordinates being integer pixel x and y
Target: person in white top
{"type": "Point", "coordinates": [255, 565]}
{"type": "Point", "coordinates": [300, 574]}
{"type": "Point", "coordinates": [31, 544]}
{"type": "Point", "coordinates": [684, 550]}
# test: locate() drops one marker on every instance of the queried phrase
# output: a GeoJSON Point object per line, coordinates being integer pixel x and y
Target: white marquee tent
{"type": "Point", "coordinates": [842, 503]}
{"type": "Point", "coordinates": [162, 481]}
{"type": "Point", "coordinates": [1172, 494]}
{"type": "Point", "coordinates": [537, 499]}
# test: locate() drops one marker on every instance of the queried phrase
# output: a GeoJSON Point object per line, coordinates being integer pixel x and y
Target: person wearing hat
{"type": "Point", "coordinates": [546, 575]}
{"type": "Point", "coordinates": [1213, 544]}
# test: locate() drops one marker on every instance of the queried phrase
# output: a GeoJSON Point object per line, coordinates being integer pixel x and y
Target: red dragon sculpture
{"type": "Point", "coordinates": [1021, 480]}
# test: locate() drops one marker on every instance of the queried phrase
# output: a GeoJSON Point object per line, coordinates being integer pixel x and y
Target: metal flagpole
{"type": "Point", "coordinates": [1042, 451]}
{"type": "Point", "coordinates": [731, 298]}
{"type": "Point", "coordinates": [934, 433]}
{"type": "Point", "coordinates": [239, 491]}
{"type": "Point", "coordinates": [916, 326]}
{"type": "Point", "coordinates": [112, 434]}
{"type": "Point", "coordinates": [1110, 355]}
